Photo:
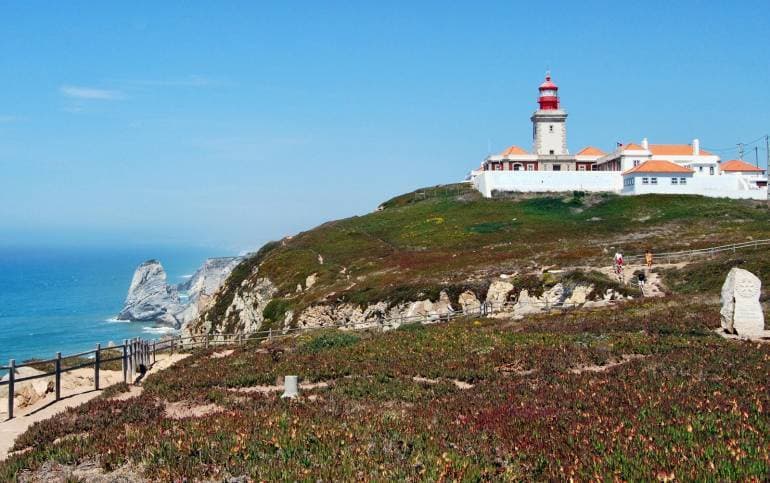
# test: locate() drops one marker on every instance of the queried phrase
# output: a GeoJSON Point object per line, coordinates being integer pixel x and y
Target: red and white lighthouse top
{"type": "Point", "coordinates": [549, 94]}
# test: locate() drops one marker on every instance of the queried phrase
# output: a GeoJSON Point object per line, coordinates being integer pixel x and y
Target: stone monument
{"type": "Point", "coordinates": [741, 312]}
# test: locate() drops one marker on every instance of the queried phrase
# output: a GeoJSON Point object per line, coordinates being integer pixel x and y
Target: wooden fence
{"type": "Point", "coordinates": [670, 257]}
{"type": "Point", "coordinates": [137, 353]}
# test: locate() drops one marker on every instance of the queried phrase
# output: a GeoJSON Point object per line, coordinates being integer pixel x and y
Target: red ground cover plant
{"type": "Point", "coordinates": [640, 392]}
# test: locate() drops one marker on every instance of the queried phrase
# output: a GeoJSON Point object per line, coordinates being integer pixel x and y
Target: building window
{"type": "Point", "coordinates": [550, 128]}
{"type": "Point", "coordinates": [653, 180]}
{"type": "Point", "coordinates": [645, 180]}
{"type": "Point", "coordinates": [556, 167]}
{"type": "Point", "coordinates": [530, 167]}
{"type": "Point", "coordinates": [682, 180]}
{"type": "Point", "coordinates": [581, 167]}
{"type": "Point", "coordinates": [636, 162]}
{"type": "Point", "coordinates": [550, 152]}
{"type": "Point", "coordinates": [700, 168]}
{"type": "Point", "coordinates": [711, 170]}
{"type": "Point", "coordinates": [674, 180]}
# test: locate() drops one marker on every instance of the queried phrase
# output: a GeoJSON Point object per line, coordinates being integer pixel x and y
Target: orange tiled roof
{"type": "Point", "coordinates": [658, 166]}
{"type": "Point", "coordinates": [674, 150]}
{"type": "Point", "coordinates": [739, 165]}
{"type": "Point", "coordinates": [633, 146]}
{"type": "Point", "coordinates": [591, 151]}
{"type": "Point", "coordinates": [513, 150]}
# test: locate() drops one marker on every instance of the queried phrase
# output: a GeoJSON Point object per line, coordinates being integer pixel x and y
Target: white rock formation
{"type": "Point", "coordinates": [469, 303]}
{"type": "Point", "coordinates": [741, 311]}
{"type": "Point", "coordinates": [497, 295]}
{"type": "Point", "coordinates": [311, 280]}
{"type": "Point", "coordinates": [150, 298]}
{"type": "Point", "coordinates": [248, 304]}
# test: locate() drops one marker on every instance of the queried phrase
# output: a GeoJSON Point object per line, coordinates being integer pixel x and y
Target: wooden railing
{"type": "Point", "coordinates": [669, 257]}
{"type": "Point", "coordinates": [135, 353]}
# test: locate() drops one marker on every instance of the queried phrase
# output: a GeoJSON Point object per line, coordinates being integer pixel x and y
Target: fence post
{"type": "Point", "coordinates": [11, 384]}
{"type": "Point", "coordinates": [58, 375]}
{"type": "Point", "coordinates": [131, 367]}
{"type": "Point", "coordinates": [270, 333]}
{"type": "Point", "coordinates": [97, 358]}
{"type": "Point", "coordinates": [154, 351]}
{"type": "Point", "coordinates": [125, 360]}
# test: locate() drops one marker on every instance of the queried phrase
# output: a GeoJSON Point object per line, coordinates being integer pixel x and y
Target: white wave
{"type": "Point", "coordinates": [115, 320]}
{"type": "Point", "coordinates": [186, 276]}
{"type": "Point", "coordinates": [159, 330]}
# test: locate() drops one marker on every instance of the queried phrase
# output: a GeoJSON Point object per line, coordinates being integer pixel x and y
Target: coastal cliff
{"type": "Point", "coordinates": [151, 299]}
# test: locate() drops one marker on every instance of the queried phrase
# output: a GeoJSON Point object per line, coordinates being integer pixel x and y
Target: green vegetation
{"type": "Point", "coordinates": [329, 340]}
{"type": "Point", "coordinates": [641, 391]}
{"type": "Point", "coordinates": [707, 276]}
{"type": "Point", "coordinates": [447, 238]}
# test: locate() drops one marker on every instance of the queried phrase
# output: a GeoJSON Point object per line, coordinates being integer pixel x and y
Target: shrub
{"type": "Point", "coordinates": [328, 341]}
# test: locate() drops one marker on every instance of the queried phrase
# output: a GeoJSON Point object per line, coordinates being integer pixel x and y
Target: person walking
{"type": "Point", "coordinates": [619, 267]}
{"type": "Point", "coordinates": [648, 259]}
{"type": "Point", "coordinates": [642, 278]}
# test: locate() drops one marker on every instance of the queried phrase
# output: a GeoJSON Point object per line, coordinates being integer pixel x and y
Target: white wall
{"type": "Point", "coordinates": [544, 181]}
{"type": "Point", "coordinates": [712, 186]}
{"type": "Point", "coordinates": [555, 181]}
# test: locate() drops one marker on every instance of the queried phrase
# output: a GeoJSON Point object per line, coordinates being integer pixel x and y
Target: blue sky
{"type": "Point", "coordinates": [230, 123]}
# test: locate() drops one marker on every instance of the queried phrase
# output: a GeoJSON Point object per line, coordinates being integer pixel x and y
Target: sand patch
{"type": "Point", "coordinates": [625, 358]}
{"type": "Point", "coordinates": [458, 383]}
{"type": "Point", "coordinates": [190, 409]}
{"type": "Point", "coordinates": [221, 354]}
{"type": "Point", "coordinates": [279, 387]}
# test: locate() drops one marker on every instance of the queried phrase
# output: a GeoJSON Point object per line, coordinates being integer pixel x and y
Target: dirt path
{"type": "Point", "coordinates": [77, 388]}
{"type": "Point", "coordinates": [654, 285]}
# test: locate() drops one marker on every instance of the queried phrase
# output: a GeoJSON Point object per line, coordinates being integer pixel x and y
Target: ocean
{"type": "Point", "coordinates": [66, 299]}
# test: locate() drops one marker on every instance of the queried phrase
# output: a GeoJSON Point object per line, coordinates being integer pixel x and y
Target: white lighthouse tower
{"type": "Point", "coordinates": [549, 122]}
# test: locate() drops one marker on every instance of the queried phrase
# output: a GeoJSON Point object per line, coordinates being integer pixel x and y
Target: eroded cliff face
{"type": "Point", "coordinates": [150, 298]}
{"type": "Point", "coordinates": [246, 311]}
{"type": "Point", "coordinates": [243, 314]}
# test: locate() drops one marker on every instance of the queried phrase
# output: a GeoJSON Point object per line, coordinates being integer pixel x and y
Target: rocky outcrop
{"type": "Point", "coordinates": [29, 392]}
{"type": "Point", "coordinates": [209, 277]}
{"type": "Point", "coordinates": [204, 283]}
{"type": "Point", "coordinates": [244, 313]}
{"type": "Point", "coordinates": [468, 302]}
{"type": "Point", "coordinates": [497, 295]}
{"type": "Point", "coordinates": [150, 298]}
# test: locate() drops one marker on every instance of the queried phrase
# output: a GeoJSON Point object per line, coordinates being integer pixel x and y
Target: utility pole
{"type": "Point", "coordinates": [767, 151]}
{"type": "Point", "coordinates": [740, 151]}
{"type": "Point", "coordinates": [756, 156]}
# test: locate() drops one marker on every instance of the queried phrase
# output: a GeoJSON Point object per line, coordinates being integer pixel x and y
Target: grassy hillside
{"type": "Point", "coordinates": [422, 242]}
{"type": "Point", "coordinates": [643, 391]}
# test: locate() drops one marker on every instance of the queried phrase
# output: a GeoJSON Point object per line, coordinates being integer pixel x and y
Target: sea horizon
{"type": "Point", "coordinates": [66, 299]}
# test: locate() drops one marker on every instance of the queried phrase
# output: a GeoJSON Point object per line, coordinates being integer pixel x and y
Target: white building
{"type": "Point", "coordinates": [630, 169]}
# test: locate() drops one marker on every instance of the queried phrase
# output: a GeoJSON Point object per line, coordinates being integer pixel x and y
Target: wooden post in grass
{"type": "Point", "coordinates": [11, 384]}
{"type": "Point", "coordinates": [58, 376]}
{"type": "Point", "coordinates": [97, 360]}
{"type": "Point", "coordinates": [154, 351]}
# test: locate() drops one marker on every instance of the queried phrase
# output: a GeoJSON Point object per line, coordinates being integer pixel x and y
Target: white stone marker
{"type": "Point", "coordinates": [741, 311]}
{"type": "Point", "coordinates": [290, 387]}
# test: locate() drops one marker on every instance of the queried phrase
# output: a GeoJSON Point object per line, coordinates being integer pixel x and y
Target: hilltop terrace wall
{"type": "Point", "coordinates": [612, 181]}
{"type": "Point", "coordinates": [547, 181]}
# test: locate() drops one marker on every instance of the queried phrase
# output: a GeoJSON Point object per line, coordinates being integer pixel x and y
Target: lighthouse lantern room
{"type": "Point", "coordinates": [549, 122]}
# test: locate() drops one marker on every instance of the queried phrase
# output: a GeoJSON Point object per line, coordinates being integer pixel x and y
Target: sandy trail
{"type": "Point", "coordinates": [77, 388]}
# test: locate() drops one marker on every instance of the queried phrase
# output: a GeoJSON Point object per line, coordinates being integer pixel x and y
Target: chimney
{"type": "Point", "coordinates": [695, 147]}
{"type": "Point", "coordinates": [645, 144]}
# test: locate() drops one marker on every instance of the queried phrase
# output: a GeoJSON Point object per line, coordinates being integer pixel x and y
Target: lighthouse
{"type": "Point", "coordinates": [549, 122]}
